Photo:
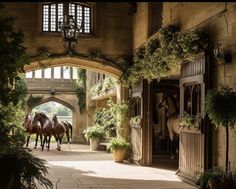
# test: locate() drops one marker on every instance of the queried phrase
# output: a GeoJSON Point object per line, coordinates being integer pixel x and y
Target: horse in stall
{"type": "Point", "coordinates": [169, 104]}
{"type": "Point", "coordinates": [32, 129]}
{"type": "Point", "coordinates": [59, 129]}
{"type": "Point", "coordinates": [46, 125]}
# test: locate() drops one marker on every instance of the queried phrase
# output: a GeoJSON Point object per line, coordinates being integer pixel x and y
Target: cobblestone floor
{"type": "Point", "coordinates": [79, 168]}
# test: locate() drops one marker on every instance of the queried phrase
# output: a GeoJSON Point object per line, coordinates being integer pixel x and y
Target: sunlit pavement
{"type": "Point", "coordinates": [78, 167]}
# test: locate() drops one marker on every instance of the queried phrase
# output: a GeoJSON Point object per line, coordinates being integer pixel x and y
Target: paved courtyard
{"type": "Point", "coordinates": [79, 168]}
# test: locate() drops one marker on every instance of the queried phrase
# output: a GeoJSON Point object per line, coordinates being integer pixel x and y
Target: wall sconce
{"type": "Point", "coordinates": [221, 54]}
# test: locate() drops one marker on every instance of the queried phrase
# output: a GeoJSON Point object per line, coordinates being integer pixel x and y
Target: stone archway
{"type": "Point", "coordinates": [99, 65]}
{"type": "Point", "coordinates": [69, 101]}
{"type": "Point", "coordinates": [84, 63]}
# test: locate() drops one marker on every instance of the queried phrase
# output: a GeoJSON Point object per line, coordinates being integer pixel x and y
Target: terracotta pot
{"type": "Point", "coordinates": [119, 155]}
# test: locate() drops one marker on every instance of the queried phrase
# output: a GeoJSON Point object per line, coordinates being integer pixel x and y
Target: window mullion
{"type": "Point", "coordinates": [56, 17]}
{"type": "Point", "coordinates": [75, 15]}
{"type": "Point", "coordinates": [82, 21]}
{"type": "Point", "coordinates": [49, 17]}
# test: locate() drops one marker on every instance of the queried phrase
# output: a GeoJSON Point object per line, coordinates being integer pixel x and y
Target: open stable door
{"type": "Point", "coordinates": [136, 98]}
{"type": "Point", "coordinates": [194, 144]}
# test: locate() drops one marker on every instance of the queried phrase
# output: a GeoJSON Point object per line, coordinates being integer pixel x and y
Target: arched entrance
{"type": "Point", "coordinates": [84, 63]}
{"type": "Point", "coordinates": [79, 119]}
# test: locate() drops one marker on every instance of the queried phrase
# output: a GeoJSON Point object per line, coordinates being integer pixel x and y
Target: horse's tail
{"type": "Point", "coordinates": [70, 128]}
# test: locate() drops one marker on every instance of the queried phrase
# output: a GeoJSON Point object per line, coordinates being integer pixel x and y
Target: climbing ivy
{"type": "Point", "coordinates": [104, 86]}
{"type": "Point", "coordinates": [33, 101]}
{"type": "Point", "coordinates": [81, 88]}
{"type": "Point", "coordinates": [159, 58]}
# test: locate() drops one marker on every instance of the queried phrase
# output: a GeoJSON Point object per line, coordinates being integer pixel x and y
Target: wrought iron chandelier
{"type": "Point", "coordinates": [69, 31]}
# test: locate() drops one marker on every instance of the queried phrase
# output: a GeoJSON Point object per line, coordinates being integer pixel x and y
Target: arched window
{"type": "Point", "coordinates": [53, 12]}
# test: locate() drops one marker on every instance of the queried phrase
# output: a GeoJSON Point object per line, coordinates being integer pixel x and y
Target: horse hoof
{"type": "Point", "coordinates": [35, 147]}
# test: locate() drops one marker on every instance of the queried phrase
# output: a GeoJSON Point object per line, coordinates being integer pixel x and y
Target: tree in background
{"type": "Point", "coordinates": [19, 168]}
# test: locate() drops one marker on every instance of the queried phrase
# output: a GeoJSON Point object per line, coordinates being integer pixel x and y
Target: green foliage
{"type": "Point", "coordinates": [160, 58]}
{"type": "Point", "coordinates": [32, 101]}
{"type": "Point", "coordinates": [203, 179]}
{"type": "Point", "coordinates": [190, 121]}
{"type": "Point", "coordinates": [219, 177]}
{"type": "Point", "coordinates": [11, 130]}
{"type": "Point", "coordinates": [152, 46]}
{"type": "Point", "coordinates": [135, 121]}
{"type": "Point", "coordinates": [21, 89]}
{"type": "Point", "coordinates": [119, 143]}
{"type": "Point", "coordinates": [94, 53]}
{"type": "Point", "coordinates": [104, 86]}
{"type": "Point", "coordinates": [81, 88]}
{"type": "Point", "coordinates": [94, 131]}
{"type": "Point", "coordinates": [220, 106]}
{"type": "Point", "coordinates": [119, 113]}
{"type": "Point", "coordinates": [104, 118]}
{"type": "Point", "coordinates": [19, 168]}
{"type": "Point", "coordinates": [13, 57]}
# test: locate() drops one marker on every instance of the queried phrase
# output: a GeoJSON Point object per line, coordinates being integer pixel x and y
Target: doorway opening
{"type": "Point", "coordinates": [165, 138]}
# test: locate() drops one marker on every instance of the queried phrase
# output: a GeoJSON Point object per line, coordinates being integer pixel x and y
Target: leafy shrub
{"type": "Point", "coordinates": [95, 131]}
{"type": "Point", "coordinates": [119, 143]}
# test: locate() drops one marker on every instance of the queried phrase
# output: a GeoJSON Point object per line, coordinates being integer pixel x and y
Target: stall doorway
{"type": "Point", "coordinates": [165, 103]}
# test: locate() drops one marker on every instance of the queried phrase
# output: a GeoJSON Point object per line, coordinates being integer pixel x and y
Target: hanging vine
{"type": "Point", "coordinates": [159, 58]}
{"type": "Point", "coordinates": [81, 88]}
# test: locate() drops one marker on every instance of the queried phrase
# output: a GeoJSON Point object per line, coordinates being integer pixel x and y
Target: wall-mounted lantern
{"type": "Point", "coordinates": [221, 54]}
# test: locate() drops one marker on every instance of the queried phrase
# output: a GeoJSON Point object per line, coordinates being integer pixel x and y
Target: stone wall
{"type": "Point", "coordinates": [140, 25]}
{"type": "Point", "coordinates": [218, 19]}
{"type": "Point", "coordinates": [113, 26]}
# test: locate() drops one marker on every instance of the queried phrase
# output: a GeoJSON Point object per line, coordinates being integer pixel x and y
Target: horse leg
{"type": "Point", "coordinates": [59, 143]}
{"type": "Point", "coordinates": [41, 140]}
{"type": "Point", "coordinates": [171, 133]}
{"type": "Point", "coordinates": [27, 141]}
{"type": "Point", "coordinates": [44, 140]}
{"type": "Point", "coordinates": [57, 140]}
{"type": "Point", "coordinates": [49, 139]}
{"type": "Point", "coordinates": [36, 141]}
{"type": "Point", "coordinates": [68, 139]}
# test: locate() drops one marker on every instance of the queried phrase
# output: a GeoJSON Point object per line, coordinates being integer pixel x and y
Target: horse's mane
{"type": "Point", "coordinates": [172, 106]}
{"type": "Point", "coordinates": [43, 115]}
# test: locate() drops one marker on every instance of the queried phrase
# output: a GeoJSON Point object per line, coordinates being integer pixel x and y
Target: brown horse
{"type": "Point", "coordinates": [32, 129]}
{"type": "Point", "coordinates": [59, 129]}
{"type": "Point", "coordinates": [46, 125]}
{"type": "Point", "coordinates": [172, 118]}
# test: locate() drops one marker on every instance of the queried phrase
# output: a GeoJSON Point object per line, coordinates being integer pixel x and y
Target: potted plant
{"type": "Point", "coordinates": [214, 181]}
{"type": "Point", "coordinates": [209, 179]}
{"type": "Point", "coordinates": [94, 135]}
{"type": "Point", "coordinates": [221, 109]}
{"type": "Point", "coordinates": [227, 180]}
{"type": "Point", "coordinates": [190, 121]}
{"type": "Point", "coordinates": [118, 146]}
{"type": "Point", "coordinates": [135, 121]}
